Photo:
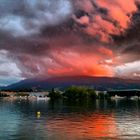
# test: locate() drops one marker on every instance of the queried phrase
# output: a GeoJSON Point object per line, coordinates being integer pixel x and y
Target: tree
{"type": "Point", "coordinates": [91, 93]}
{"type": "Point", "coordinates": [79, 93]}
{"type": "Point", "coordinates": [54, 94]}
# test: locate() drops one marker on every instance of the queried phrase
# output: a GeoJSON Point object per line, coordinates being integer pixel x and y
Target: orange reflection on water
{"type": "Point", "coordinates": [101, 126]}
{"type": "Point", "coordinates": [84, 126]}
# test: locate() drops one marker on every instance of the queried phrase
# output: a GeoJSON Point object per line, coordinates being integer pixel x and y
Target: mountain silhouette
{"type": "Point", "coordinates": [98, 83]}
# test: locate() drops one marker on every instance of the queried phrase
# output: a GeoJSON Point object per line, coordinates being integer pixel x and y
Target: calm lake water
{"type": "Point", "coordinates": [69, 121]}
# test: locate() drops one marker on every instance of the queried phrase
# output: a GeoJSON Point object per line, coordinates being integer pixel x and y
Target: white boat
{"type": "Point", "coordinates": [42, 98]}
{"type": "Point", "coordinates": [117, 97]}
{"type": "Point", "coordinates": [134, 98]}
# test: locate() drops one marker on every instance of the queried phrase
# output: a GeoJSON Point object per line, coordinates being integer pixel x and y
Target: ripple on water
{"type": "Point", "coordinates": [62, 121]}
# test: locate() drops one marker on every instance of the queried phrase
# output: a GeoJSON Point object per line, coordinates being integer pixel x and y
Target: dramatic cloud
{"type": "Point", "coordinates": [9, 72]}
{"type": "Point", "coordinates": [27, 17]}
{"type": "Point", "coordinates": [132, 69]}
{"type": "Point", "coordinates": [69, 37]}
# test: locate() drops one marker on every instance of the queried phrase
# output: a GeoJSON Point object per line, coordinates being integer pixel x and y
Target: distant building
{"type": "Point", "coordinates": [38, 94]}
{"type": "Point", "coordinates": [122, 93]}
{"type": "Point", "coordinates": [100, 92]}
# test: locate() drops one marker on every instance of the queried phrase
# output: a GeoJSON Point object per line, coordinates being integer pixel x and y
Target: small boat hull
{"type": "Point", "coordinates": [42, 98]}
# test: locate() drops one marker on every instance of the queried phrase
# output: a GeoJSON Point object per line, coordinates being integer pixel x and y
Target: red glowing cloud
{"type": "Point", "coordinates": [84, 37]}
{"type": "Point", "coordinates": [72, 63]}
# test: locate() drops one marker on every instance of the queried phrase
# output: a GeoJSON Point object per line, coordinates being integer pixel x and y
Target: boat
{"type": "Point", "coordinates": [134, 98]}
{"type": "Point", "coordinates": [117, 97]}
{"type": "Point", "coordinates": [42, 98]}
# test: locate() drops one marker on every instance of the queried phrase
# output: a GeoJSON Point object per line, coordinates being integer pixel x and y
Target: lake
{"type": "Point", "coordinates": [63, 120]}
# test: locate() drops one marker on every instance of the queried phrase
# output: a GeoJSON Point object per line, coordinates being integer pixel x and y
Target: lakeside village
{"type": "Point", "coordinates": [73, 93]}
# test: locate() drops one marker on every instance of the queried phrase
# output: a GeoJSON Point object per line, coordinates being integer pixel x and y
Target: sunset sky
{"type": "Point", "coordinates": [69, 37]}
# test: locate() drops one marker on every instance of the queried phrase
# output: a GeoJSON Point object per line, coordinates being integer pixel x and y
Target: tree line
{"type": "Point", "coordinates": [77, 93]}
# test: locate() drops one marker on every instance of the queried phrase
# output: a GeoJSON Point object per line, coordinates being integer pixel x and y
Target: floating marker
{"type": "Point", "coordinates": [38, 113]}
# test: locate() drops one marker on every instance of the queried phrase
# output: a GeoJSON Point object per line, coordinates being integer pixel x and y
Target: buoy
{"type": "Point", "coordinates": [38, 113]}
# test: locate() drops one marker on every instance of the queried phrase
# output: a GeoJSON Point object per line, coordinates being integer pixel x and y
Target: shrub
{"type": "Point", "coordinates": [3, 95]}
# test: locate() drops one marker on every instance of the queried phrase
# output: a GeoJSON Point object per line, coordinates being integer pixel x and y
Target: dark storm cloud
{"type": "Point", "coordinates": [43, 35]}
{"type": "Point", "coordinates": [28, 16]}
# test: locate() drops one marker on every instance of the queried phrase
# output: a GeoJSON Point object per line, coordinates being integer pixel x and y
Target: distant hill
{"type": "Point", "coordinates": [99, 83]}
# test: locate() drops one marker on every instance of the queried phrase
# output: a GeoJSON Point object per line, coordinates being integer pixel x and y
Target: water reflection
{"type": "Point", "coordinates": [84, 126]}
{"type": "Point", "coordinates": [62, 120]}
